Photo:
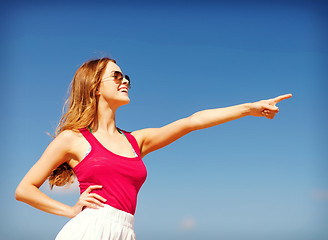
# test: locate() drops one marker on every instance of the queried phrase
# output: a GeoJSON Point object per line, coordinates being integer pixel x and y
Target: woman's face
{"type": "Point", "coordinates": [113, 88]}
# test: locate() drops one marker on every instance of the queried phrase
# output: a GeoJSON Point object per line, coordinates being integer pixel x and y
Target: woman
{"type": "Point", "coordinates": [106, 160]}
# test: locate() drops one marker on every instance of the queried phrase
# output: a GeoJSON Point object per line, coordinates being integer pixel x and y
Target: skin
{"type": "Point", "coordinates": [71, 147]}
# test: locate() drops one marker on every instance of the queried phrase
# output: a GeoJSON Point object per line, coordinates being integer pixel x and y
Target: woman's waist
{"type": "Point", "coordinates": [119, 198]}
{"type": "Point", "coordinates": [108, 214]}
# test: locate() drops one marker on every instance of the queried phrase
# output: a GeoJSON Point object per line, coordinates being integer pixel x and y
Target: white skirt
{"type": "Point", "coordinates": [106, 223]}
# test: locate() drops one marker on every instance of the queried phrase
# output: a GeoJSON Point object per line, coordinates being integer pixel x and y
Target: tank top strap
{"type": "Point", "coordinates": [132, 141]}
{"type": "Point", "coordinates": [89, 137]}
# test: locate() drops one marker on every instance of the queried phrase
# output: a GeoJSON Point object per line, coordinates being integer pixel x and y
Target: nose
{"type": "Point", "coordinates": [126, 81]}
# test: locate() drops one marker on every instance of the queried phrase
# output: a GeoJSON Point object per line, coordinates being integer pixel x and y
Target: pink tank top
{"type": "Point", "coordinates": [121, 177]}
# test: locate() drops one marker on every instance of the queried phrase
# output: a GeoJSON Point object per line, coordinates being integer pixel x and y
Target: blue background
{"type": "Point", "coordinates": [252, 178]}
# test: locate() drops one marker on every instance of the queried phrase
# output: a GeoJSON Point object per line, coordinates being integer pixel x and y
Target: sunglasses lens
{"type": "Point", "coordinates": [118, 75]}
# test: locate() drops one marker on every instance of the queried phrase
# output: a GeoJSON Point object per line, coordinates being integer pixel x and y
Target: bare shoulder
{"type": "Point", "coordinates": [151, 139]}
{"type": "Point", "coordinates": [68, 136]}
{"type": "Point", "coordinates": [68, 139]}
{"type": "Point", "coordinates": [140, 135]}
{"type": "Point", "coordinates": [136, 133]}
{"type": "Point", "coordinates": [73, 144]}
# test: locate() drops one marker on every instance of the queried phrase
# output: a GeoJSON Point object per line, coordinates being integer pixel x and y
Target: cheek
{"type": "Point", "coordinates": [109, 95]}
{"type": "Point", "coordinates": [108, 91]}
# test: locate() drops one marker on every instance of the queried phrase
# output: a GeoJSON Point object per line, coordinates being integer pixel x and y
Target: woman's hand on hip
{"type": "Point", "coordinates": [88, 199]}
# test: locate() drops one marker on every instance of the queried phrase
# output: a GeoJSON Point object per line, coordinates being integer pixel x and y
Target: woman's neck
{"type": "Point", "coordinates": [105, 120]}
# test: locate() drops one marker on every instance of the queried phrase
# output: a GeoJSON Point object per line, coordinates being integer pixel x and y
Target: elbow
{"type": "Point", "coordinates": [194, 123]}
{"type": "Point", "coordinates": [25, 192]}
{"type": "Point", "coordinates": [19, 193]}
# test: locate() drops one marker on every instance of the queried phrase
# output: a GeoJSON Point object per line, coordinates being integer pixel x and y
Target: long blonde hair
{"type": "Point", "coordinates": [80, 110]}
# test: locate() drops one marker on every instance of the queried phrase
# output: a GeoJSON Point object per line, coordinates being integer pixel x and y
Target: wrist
{"type": "Point", "coordinates": [247, 109]}
{"type": "Point", "coordinates": [69, 212]}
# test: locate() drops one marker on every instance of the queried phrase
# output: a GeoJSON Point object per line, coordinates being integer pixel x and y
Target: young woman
{"type": "Point", "coordinates": [106, 160]}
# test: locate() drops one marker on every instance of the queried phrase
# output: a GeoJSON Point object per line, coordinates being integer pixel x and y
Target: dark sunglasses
{"type": "Point", "coordinates": [120, 76]}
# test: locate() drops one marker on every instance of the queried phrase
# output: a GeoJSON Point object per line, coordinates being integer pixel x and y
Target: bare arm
{"type": "Point", "coordinates": [151, 139]}
{"type": "Point", "coordinates": [58, 152]}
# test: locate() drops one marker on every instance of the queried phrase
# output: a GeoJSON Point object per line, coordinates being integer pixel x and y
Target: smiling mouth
{"type": "Point", "coordinates": [125, 90]}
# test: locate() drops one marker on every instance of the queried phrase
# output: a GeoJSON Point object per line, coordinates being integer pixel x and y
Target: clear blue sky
{"type": "Point", "coordinates": [249, 179]}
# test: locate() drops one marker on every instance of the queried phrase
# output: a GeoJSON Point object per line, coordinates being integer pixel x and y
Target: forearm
{"type": "Point", "coordinates": [212, 117]}
{"type": "Point", "coordinates": [33, 196]}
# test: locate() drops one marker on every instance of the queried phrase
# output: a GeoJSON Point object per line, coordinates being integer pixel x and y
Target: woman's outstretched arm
{"type": "Point", "coordinates": [151, 139]}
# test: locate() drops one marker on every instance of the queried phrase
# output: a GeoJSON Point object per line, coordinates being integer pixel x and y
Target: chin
{"type": "Point", "coordinates": [125, 101]}
{"type": "Point", "coordinates": [118, 101]}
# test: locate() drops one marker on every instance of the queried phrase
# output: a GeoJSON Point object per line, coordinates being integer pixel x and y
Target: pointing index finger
{"type": "Point", "coordinates": [282, 97]}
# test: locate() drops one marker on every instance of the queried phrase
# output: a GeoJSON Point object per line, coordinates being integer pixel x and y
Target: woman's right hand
{"type": "Point", "coordinates": [267, 108]}
{"type": "Point", "coordinates": [88, 199]}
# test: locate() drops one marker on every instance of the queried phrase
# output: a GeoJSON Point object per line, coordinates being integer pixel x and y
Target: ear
{"type": "Point", "coordinates": [97, 92]}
